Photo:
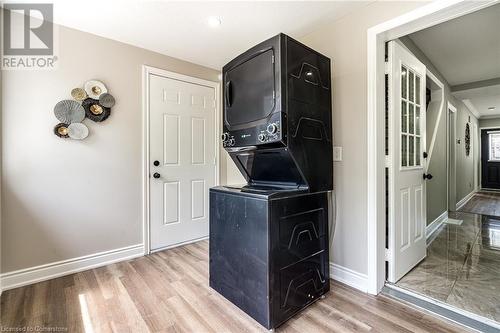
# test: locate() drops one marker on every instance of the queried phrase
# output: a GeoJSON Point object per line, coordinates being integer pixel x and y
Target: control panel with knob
{"type": "Point", "coordinates": [262, 137]}
{"type": "Point", "coordinates": [272, 128]}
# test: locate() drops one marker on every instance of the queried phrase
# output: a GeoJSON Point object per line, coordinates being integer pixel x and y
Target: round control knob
{"type": "Point", "coordinates": [272, 128]}
{"type": "Point", "coordinates": [156, 175]}
{"type": "Point", "coordinates": [225, 136]}
{"type": "Point", "coordinates": [262, 137]}
{"type": "Point", "coordinates": [231, 142]}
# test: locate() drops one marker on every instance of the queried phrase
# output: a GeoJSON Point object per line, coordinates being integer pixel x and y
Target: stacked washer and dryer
{"type": "Point", "coordinates": [269, 246]}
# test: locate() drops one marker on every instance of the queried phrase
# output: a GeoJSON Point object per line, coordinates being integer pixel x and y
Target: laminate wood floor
{"type": "Point", "coordinates": [485, 203]}
{"type": "Point", "coordinates": [168, 292]}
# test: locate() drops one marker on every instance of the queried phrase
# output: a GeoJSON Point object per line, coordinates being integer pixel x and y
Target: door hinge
{"type": "Point", "coordinates": [272, 59]}
{"type": "Point", "coordinates": [387, 255]}
{"type": "Point", "coordinates": [386, 67]}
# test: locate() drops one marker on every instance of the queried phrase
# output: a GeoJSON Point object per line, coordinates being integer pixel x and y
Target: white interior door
{"type": "Point", "coordinates": [182, 159]}
{"type": "Point", "coordinates": [407, 197]}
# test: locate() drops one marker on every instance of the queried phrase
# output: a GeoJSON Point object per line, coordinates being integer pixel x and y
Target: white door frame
{"type": "Point", "coordinates": [421, 18]}
{"type": "Point", "coordinates": [451, 108]}
{"type": "Point", "coordinates": [146, 72]}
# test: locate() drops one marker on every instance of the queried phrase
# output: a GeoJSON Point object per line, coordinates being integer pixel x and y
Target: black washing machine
{"type": "Point", "coordinates": [269, 249]}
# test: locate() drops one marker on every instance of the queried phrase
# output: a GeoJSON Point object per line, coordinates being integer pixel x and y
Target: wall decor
{"type": "Point", "coordinates": [92, 101]}
{"type": "Point", "coordinates": [78, 131]}
{"type": "Point", "coordinates": [467, 139]}
{"type": "Point", "coordinates": [69, 111]}
{"type": "Point", "coordinates": [78, 94]}
{"type": "Point", "coordinates": [61, 130]}
{"type": "Point", "coordinates": [95, 89]}
{"type": "Point", "coordinates": [95, 111]}
{"type": "Point", "coordinates": [107, 100]}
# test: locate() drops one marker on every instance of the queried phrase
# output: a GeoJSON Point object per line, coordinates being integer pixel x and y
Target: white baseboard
{"type": "Point", "coordinates": [349, 277]}
{"type": "Point", "coordinates": [438, 222]}
{"type": "Point", "coordinates": [462, 202]}
{"type": "Point", "coordinates": [45, 272]}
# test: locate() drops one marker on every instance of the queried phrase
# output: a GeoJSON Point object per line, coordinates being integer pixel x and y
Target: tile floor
{"type": "Point", "coordinates": [462, 267]}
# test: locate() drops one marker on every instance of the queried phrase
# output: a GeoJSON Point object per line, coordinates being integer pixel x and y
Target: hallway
{"type": "Point", "coordinates": [484, 203]}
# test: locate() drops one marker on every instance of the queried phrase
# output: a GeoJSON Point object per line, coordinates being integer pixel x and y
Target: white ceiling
{"type": "Point", "coordinates": [466, 49]}
{"type": "Point", "coordinates": [181, 30]}
{"type": "Point", "coordinates": [480, 99]}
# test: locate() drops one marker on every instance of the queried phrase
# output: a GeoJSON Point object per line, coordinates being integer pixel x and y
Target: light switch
{"type": "Point", "coordinates": [337, 154]}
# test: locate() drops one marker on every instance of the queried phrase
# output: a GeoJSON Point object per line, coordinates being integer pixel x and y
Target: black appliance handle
{"type": "Point", "coordinates": [241, 149]}
{"type": "Point", "coordinates": [229, 93]}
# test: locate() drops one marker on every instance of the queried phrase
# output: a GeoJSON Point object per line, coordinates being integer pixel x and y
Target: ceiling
{"type": "Point", "coordinates": [181, 29]}
{"type": "Point", "coordinates": [466, 49]}
{"type": "Point", "coordinates": [480, 99]}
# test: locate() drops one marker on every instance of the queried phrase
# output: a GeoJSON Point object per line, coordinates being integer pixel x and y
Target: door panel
{"type": "Point", "coordinates": [490, 159]}
{"type": "Point", "coordinates": [407, 136]}
{"type": "Point", "coordinates": [182, 138]}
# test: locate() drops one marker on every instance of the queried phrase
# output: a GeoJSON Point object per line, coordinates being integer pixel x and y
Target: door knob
{"type": "Point", "coordinates": [156, 175]}
{"type": "Point", "coordinates": [156, 163]}
{"type": "Point", "coordinates": [425, 154]}
{"type": "Point", "coordinates": [427, 176]}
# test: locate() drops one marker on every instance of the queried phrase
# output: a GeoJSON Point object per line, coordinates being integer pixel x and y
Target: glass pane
{"type": "Point", "coordinates": [417, 151]}
{"type": "Point", "coordinates": [494, 146]}
{"type": "Point", "coordinates": [411, 115]}
{"type": "Point", "coordinates": [411, 89]}
{"type": "Point", "coordinates": [417, 120]}
{"type": "Point", "coordinates": [417, 88]}
{"type": "Point", "coordinates": [404, 79]}
{"type": "Point", "coordinates": [404, 117]}
{"type": "Point", "coordinates": [404, 150]}
{"type": "Point", "coordinates": [411, 146]}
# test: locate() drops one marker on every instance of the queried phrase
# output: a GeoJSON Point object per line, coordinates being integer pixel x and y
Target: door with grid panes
{"type": "Point", "coordinates": [407, 198]}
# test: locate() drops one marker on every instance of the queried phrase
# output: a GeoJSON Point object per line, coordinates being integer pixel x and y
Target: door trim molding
{"type": "Point", "coordinates": [146, 72]}
{"type": "Point", "coordinates": [418, 19]}
{"type": "Point", "coordinates": [438, 119]}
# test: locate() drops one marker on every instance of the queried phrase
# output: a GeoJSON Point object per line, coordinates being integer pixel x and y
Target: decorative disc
{"type": "Point", "coordinates": [94, 111]}
{"type": "Point", "coordinates": [79, 94]}
{"type": "Point", "coordinates": [61, 130]}
{"type": "Point", "coordinates": [95, 89]}
{"type": "Point", "coordinates": [107, 100]}
{"type": "Point", "coordinates": [68, 111]}
{"type": "Point", "coordinates": [78, 131]}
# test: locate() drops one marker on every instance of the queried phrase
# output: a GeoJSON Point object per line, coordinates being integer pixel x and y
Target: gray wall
{"type": "Point", "coordinates": [64, 199]}
{"type": "Point", "coordinates": [437, 187]}
{"type": "Point", "coordinates": [493, 122]}
{"type": "Point", "coordinates": [344, 41]}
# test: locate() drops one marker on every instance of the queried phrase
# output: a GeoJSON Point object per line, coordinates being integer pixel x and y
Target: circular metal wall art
{"type": "Point", "coordinates": [95, 111]}
{"type": "Point", "coordinates": [61, 130]}
{"type": "Point", "coordinates": [467, 139]}
{"type": "Point", "coordinates": [107, 100]}
{"type": "Point", "coordinates": [69, 111]}
{"type": "Point", "coordinates": [95, 89]}
{"type": "Point", "coordinates": [79, 94]}
{"type": "Point", "coordinates": [78, 131]}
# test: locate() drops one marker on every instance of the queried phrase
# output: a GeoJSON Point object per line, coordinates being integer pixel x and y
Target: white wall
{"type": "Point", "coordinates": [62, 198]}
{"type": "Point", "coordinates": [344, 41]}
